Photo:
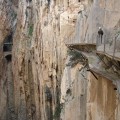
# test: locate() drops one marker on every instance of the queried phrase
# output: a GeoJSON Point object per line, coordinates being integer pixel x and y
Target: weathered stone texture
{"type": "Point", "coordinates": [37, 84]}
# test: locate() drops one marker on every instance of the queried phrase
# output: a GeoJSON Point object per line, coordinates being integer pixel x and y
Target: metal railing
{"type": "Point", "coordinates": [108, 47]}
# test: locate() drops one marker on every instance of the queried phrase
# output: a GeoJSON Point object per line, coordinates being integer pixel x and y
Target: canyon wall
{"type": "Point", "coordinates": [39, 55]}
{"type": "Point", "coordinates": [99, 99]}
{"type": "Point", "coordinates": [38, 83]}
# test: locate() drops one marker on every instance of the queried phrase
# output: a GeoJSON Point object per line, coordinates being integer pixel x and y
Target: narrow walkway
{"type": "Point", "coordinates": [109, 52]}
{"type": "Point", "coordinates": [105, 74]}
{"type": "Point", "coordinates": [93, 60]}
{"type": "Point", "coordinates": [89, 47]}
{"type": "Point", "coordinates": [80, 44]}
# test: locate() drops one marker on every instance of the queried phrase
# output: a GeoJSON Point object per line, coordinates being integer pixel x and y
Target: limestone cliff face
{"type": "Point", "coordinates": [7, 27]}
{"type": "Point", "coordinates": [39, 55]}
{"type": "Point", "coordinates": [98, 96]}
{"type": "Point", "coordinates": [38, 83]}
{"type": "Point", "coordinates": [99, 13]}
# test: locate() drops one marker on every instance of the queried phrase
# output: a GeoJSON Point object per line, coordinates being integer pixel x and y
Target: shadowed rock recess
{"type": "Point", "coordinates": [54, 65]}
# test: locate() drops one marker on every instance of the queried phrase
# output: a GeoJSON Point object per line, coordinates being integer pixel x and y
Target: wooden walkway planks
{"type": "Point", "coordinates": [105, 74]}
{"type": "Point", "coordinates": [80, 44]}
{"type": "Point", "coordinates": [108, 55]}
{"type": "Point", "coordinates": [83, 46]}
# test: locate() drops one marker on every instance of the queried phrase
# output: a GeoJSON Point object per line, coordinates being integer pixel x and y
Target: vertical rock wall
{"type": "Point", "coordinates": [7, 18]}
{"type": "Point", "coordinates": [102, 100]}
{"type": "Point", "coordinates": [39, 55]}
{"type": "Point", "coordinates": [99, 13]}
{"type": "Point", "coordinates": [101, 96]}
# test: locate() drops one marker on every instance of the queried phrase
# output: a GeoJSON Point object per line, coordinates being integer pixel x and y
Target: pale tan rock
{"type": "Point", "coordinates": [38, 76]}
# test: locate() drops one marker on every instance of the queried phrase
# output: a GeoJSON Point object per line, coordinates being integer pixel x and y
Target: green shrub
{"type": "Point", "coordinates": [75, 58]}
{"type": "Point", "coordinates": [58, 109]}
{"type": "Point", "coordinates": [74, 55]}
{"type": "Point", "coordinates": [14, 15]}
{"type": "Point", "coordinates": [30, 30]}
